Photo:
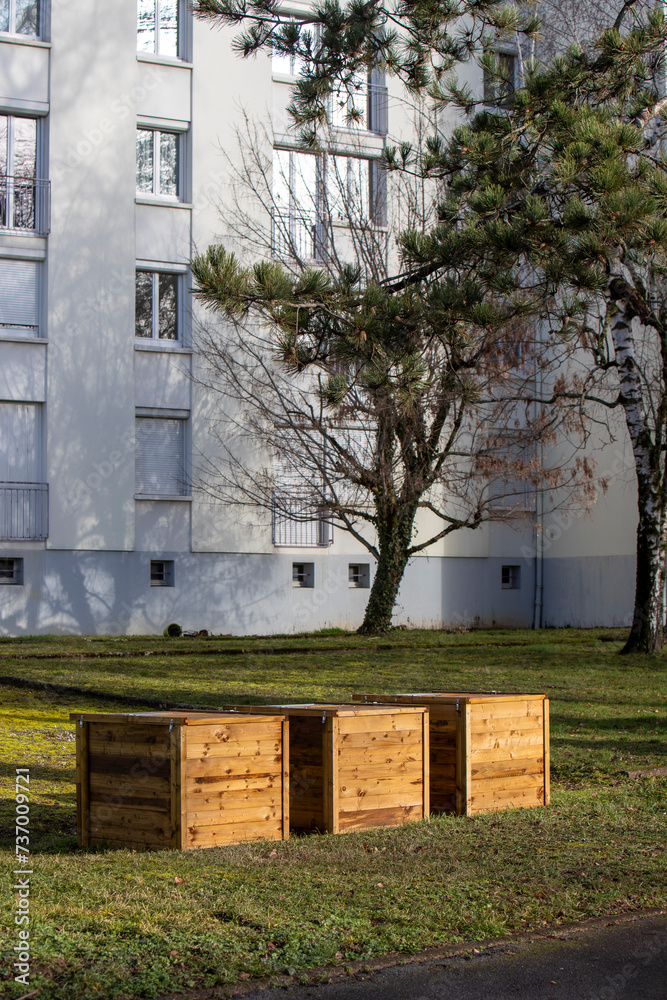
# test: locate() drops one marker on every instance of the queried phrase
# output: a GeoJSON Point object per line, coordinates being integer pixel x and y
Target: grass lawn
{"type": "Point", "coordinates": [120, 924]}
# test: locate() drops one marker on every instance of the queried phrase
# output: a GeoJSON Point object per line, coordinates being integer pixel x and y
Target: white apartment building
{"type": "Point", "coordinates": [115, 123]}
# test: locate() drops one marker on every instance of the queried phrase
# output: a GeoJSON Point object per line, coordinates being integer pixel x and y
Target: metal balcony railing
{"type": "Point", "coordinates": [25, 204]}
{"type": "Point", "coordinates": [292, 525]}
{"type": "Point", "coordinates": [294, 234]}
{"type": "Point", "coordinates": [24, 512]}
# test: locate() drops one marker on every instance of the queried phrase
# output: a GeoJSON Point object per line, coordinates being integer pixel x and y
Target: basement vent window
{"type": "Point", "coordinates": [303, 574]}
{"type": "Point", "coordinates": [162, 573]}
{"type": "Point", "coordinates": [359, 575]}
{"type": "Point", "coordinates": [511, 578]}
{"type": "Point", "coordinates": [11, 571]}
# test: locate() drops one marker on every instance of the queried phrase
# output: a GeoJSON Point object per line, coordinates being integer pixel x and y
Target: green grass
{"type": "Point", "coordinates": [119, 924]}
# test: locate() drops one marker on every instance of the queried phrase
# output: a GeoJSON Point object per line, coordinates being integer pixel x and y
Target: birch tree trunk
{"type": "Point", "coordinates": [646, 633]}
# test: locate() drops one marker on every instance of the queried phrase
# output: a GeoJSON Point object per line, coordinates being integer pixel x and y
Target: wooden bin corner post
{"type": "Point", "coordinates": [178, 735]}
{"type": "Point", "coordinates": [426, 764]}
{"type": "Point", "coordinates": [463, 761]}
{"type": "Point", "coordinates": [285, 778]}
{"type": "Point", "coordinates": [547, 755]}
{"type": "Point", "coordinates": [331, 749]}
{"type": "Point", "coordinates": [82, 784]}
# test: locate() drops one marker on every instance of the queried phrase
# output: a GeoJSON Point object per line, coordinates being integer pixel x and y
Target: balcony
{"type": "Point", "coordinates": [24, 512]}
{"type": "Point", "coordinates": [297, 526]}
{"type": "Point", "coordinates": [25, 204]}
{"type": "Point", "coordinates": [295, 235]}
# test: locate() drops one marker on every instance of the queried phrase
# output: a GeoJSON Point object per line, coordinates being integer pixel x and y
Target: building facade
{"type": "Point", "coordinates": [115, 138]}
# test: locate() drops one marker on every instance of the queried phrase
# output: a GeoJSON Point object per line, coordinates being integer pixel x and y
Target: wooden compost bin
{"type": "Point", "coordinates": [193, 779]}
{"type": "Point", "coordinates": [355, 767]}
{"type": "Point", "coordinates": [488, 751]}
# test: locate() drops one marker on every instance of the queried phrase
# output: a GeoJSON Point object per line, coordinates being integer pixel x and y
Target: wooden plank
{"type": "Point", "coordinates": [519, 709]}
{"type": "Point", "coordinates": [519, 798]}
{"type": "Point", "coordinates": [237, 731]}
{"type": "Point", "coordinates": [374, 772]}
{"type": "Point", "coordinates": [399, 798]}
{"type": "Point", "coordinates": [463, 778]}
{"type": "Point", "coordinates": [285, 780]}
{"type": "Point", "coordinates": [199, 818]}
{"type": "Point", "coordinates": [140, 822]}
{"type": "Point", "coordinates": [129, 836]}
{"type": "Point", "coordinates": [511, 741]}
{"type": "Point", "coordinates": [132, 798]}
{"type": "Point", "coordinates": [145, 784]}
{"type": "Point", "coordinates": [233, 834]}
{"type": "Point", "coordinates": [387, 721]}
{"type": "Point", "coordinates": [82, 784]}
{"type": "Point", "coordinates": [373, 818]}
{"type": "Point", "coordinates": [331, 778]}
{"type": "Point", "coordinates": [232, 767]}
{"type": "Point", "coordinates": [547, 755]}
{"type": "Point", "coordinates": [506, 768]}
{"type": "Point", "coordinates": [256, 748]}
{"type": "Point", "coordinates": [507, 753]}
{"type": "Point", "coordinates": [506, 783]}
{"type": "Point", "coordinates": [381, 786]}
{"type": "Point", "coordinates": [389, 738]}
{"type": "Point", "coordinates": [219, 785]}
{"type": "Point", "coordinates": [523, 724]}
{"type": "Point", "coordinates": [133, 767]}
{"type": "Point", "coordinates": [139, 751]}
{"type": "Point", "coordinates": [381, 754]}
{"type": "Point", "coordinates": [426, 778]}
{"type": "Point", "coordinates": [116, 732]}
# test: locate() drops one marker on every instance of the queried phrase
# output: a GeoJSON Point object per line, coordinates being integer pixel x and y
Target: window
{"type": "Point", "coordinates": [303, 574]}
{"type": "Point", "coordinates": [157, 27]}
{"type": "Point", "coordinates": [23, 495]}
{"type": "Point", "coordinates": [19, 298]}
{"type": "Point", "coordinates": [300, 517]}
{"type": "Point", "coordinates": [295, 219]}
{"type": "Point", "coordinates": [499, 82]}
{"type": "Point", "coordinates": [158, 162]}
{"type": "Point", "coordinates": [162, 573]}
{"type": "Point", "coordinates": [510, 578]}
{"type": "Point", "coordinates": [20, 17]}
{"type": "Point", "coordinates": [359, 575]}
{"type": "Point", "coordinates": [22, 195]}
{"type": "Point", "coordinates": [160, 457]}
{"type": "Point", "coordinates": [356, 191]}
{"type": "Point", "coordinates": [157, 305]}
{"type": "Point", "coordinates": [11, 571]}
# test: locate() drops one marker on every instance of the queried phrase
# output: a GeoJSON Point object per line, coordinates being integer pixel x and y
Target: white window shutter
{"type": "Point", "coordinates": [19, 295]}
{"type": "Point", "coordinates": [160, 453]}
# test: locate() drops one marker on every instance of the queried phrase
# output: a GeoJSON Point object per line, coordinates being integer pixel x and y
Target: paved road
{"type": "Point", "coordinates": [621, 961]}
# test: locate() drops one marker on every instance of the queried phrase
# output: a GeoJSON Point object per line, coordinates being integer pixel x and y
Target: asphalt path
{"type": "Point", "coordinates": [624, 959]}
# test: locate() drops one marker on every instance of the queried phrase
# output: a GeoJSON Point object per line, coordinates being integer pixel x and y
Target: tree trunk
{"type": "Point", "coordinates": [394, 537]}
{"type": "Point", "coordinates": [646, 632]}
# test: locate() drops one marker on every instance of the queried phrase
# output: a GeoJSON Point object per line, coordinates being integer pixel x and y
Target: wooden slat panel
{"type": "Point", "coordinates": [331, 786]}
{"type": "Point", "coordinates": [383, 786]}
{"type": "Point", "coordinates": [426, 787]}
{"type": "Point", "coordinates": [519, 709]}
{"type": "Point", "coordinates": [513, 741]}
{"type": "Point", "coordinates": [379, 754]}
{"type": "Point", "coordinates": [233, 834]}
{"type": "Point", "coordinates": [239, 730]}
{"type": "Point", "coordinates": [145, 784]}
{"type": "Point", "coordinates": [220, 784]}
{"type": "Point", "coordinates": [506, 768]}
{"type": "Point", "coordinates": [132, 798]}
{"type": "Point", "coordinates": [200, 818]}
{"type": "Point", "coordinates": [137, 821]}
{"type": "Point", "coordinates": [255, 798]}
{"type": "Point", "coordinates": [129, 838]}
{"type": "Point", "coordinates": [408, 798]}
{"type": "Point", "coordinates": [388, 721]}
{"type": "Point", "coordinates": [374, 772]}
{"type": "Point", "coordinates": [507, 784]}
{"type": "Point", "coordinates": [508, 753]}
{"type": "Point", "coordinates": [373, 818]}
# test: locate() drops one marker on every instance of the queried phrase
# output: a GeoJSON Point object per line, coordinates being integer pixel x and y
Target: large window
{"type": "Point", "coordinates": [19, 297]}
{"type": "Point", "coordinates": [23, 495]}
{"type": "Point", "coordinates": [19, 190]}
{"type": "Point", "coordinates": [158, 162]}
{"type": "Point", "coordinates": [157, 27]}
{"type": "Point", "coordinates": [160, 457]}
{"type": "Point", "coordinates": [157, 305]}
{"type": "Point", "coordinates": [500, 82]}
{"type": "Point", "coordinates": [295, 220]}
{"type": "Point", "coordinates": [20, 17]}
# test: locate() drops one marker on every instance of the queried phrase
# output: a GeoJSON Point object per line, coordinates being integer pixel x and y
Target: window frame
{"type": "Point", "coordinates": [16, 579]}
{"type": "Point", "coordinates": [181, 35]}
{"type": "Point", "coordinates": [155, 338]}
{"type": "Point", "coordinates": [183, 416]}
{"type": "Point", "coordinates": [359, 576]}
{"type": "Point", "coordinates": [492, 87]}
{"type": "Point", "coordinates": [14, 332]}
{"type": "Point", "coordinates": [303, 575]}
{"type": "Point", "coordinates": [11, 22]}
{"type": "Point", "coordinates": [166, 579]}
{"type": "Point", "coordinates": [510, 577]}
{"type": "Point", "coordinates": [155, 194]}
{"type": "Point", "coordinates": [40, 184]}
